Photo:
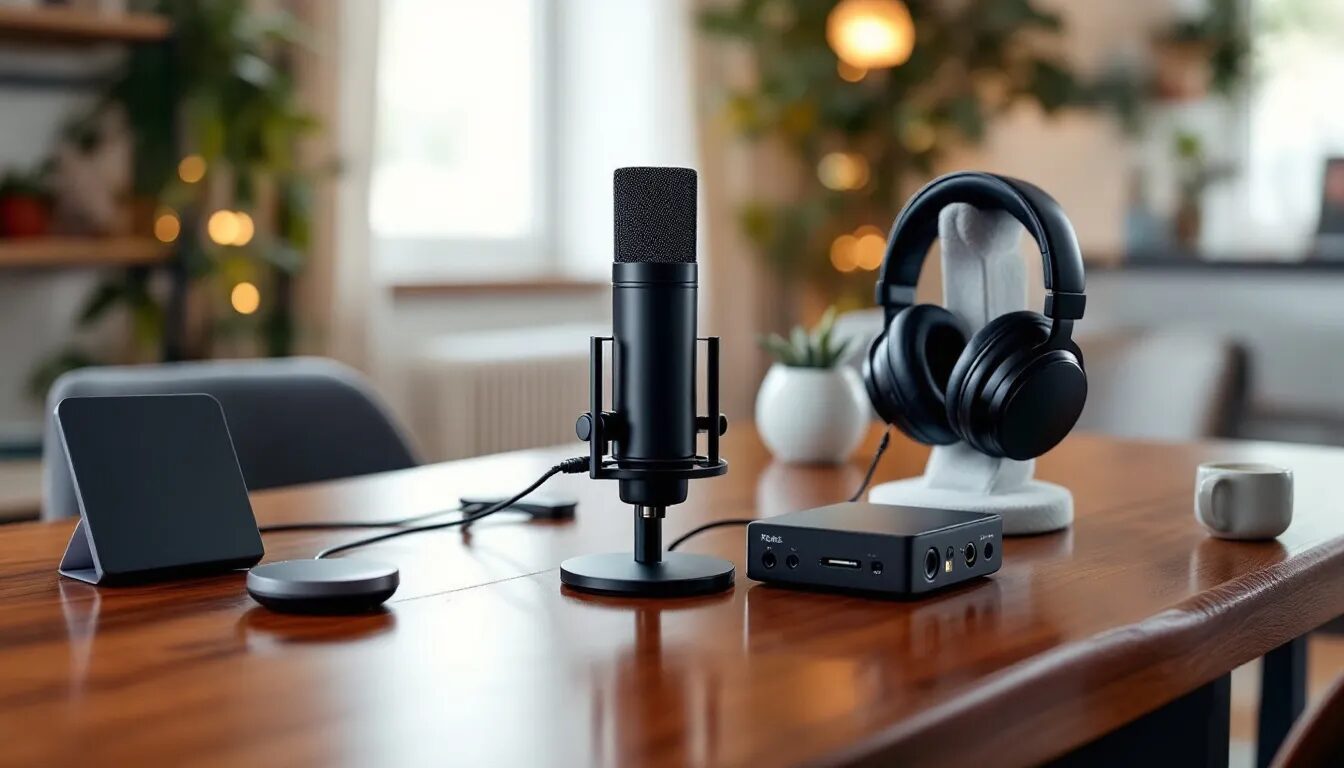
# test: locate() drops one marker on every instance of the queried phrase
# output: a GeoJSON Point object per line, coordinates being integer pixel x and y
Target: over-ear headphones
{"type": "Point", "coordinates": [1017, 386]}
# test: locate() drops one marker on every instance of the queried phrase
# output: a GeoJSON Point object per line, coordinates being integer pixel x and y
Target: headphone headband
{"type": "Point", "coordinates": [917, 225]}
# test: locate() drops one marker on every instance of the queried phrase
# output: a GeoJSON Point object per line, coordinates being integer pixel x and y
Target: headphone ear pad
{"type": "Point", "coordinates": [874, 375]}
{"type": "Point", "coordinates": [922, 344]}
{"type": "Point", "coordinates": [989, 347]}
{"type": "Point", "coordinates": [1009, 396]}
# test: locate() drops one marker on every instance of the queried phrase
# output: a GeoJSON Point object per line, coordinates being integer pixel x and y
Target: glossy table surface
{"type": "Point", "coordinates": [483, 658]}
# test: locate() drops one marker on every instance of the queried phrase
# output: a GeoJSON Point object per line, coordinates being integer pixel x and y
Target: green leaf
{"type": "Point", "coordinates": [283, 256]}
{"type": "Point", "coordinates": [802, 347]}
{"type": "Point", "coordinates": [825, 325]}
{"type": "Point", "coordinates": [778, 348]}
{"type": "Point", "coordinates": [966, 115]}
{"type": "Point", "coordinates": [146, 315]}
{"type": "Point", "coordinates": [104, 297]}
{"type": "Point", "coordinates": [838, 353]}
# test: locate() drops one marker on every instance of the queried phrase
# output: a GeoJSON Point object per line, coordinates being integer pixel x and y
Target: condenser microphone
{"type": "Point", "coordinates": [650, 432]}
{"type": "Point", "coordinates": [653, 327]}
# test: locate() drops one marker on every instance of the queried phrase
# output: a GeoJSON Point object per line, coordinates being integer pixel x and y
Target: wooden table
{"type": "Point", "coordinates": [1127, 624]}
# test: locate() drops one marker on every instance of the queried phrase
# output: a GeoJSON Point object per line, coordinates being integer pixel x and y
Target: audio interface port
{"type": "Point", "coordinates": [791, 561]}
{"type": "Point", "coordinates": [989, 549]}
{"type": "Point", "coordinates": [970, 554]}
{"type": "Point", "coordinates": [768, 559]}
{"type": "Point", "coordinates": [876, 567]}
{"type": "Point", "coordinates": [931, 563]}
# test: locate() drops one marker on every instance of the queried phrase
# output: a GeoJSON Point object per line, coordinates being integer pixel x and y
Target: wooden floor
{"type": "Point", "coordinates": [1325, 664]}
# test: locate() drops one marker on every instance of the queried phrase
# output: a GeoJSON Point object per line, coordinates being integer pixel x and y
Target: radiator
{"type": "Point", "coordinates": [487, 392]}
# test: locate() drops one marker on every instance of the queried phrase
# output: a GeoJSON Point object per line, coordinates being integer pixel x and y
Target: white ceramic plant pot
{"type": "Point", "coordinates": [812, 415]}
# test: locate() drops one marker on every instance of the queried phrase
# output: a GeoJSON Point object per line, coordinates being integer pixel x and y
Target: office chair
{"type": "Point", "coordinates": [1317, 739]}
{"type": "Point", "coordinates": [292, 420]}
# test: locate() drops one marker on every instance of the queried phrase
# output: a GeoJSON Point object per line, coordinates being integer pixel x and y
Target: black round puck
{"type": "Point", "coordinates": [336, 585]}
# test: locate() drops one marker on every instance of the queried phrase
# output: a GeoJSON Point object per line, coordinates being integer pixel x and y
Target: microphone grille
{"type": "Point", "coordinates": [655, 215]}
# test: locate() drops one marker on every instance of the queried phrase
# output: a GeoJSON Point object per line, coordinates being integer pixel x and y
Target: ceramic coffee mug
{"type": "Point", "coordinates": [1244, 501]}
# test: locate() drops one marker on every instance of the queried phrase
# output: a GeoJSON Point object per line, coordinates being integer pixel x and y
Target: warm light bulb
{"type": "Point", "coordinates": [245, 298]}
{"type": "Point", "coordinates": [870, 246]}
{"type": "Point", "coordinates": [167, 226]}
{"type": "Point", "coordinates": [850, 73]}
{"type": "Point", "coordinates": [245, 228]}
{"type": "Point", "coordinates": [223, 227]}
{"type": "Point", "coordinates": [871, 34]}
{"type": "Point", "coordinates": [843, 171]}
{"type": "Point", "coordinates": [843, 256]}
{"type": "Point", "coordinates": [191, 169]}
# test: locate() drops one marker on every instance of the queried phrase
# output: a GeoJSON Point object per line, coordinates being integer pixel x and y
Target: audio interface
{"type": "Point", "coordinates": [897, 551]}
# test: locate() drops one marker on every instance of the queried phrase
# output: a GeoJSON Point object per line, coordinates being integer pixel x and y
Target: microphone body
{"type": "Point", "coordinates": [654, 375]}
{"type": "Point", "coordinates": [654, 329]}
{"type": "Point", "coordinates": [650, 433]}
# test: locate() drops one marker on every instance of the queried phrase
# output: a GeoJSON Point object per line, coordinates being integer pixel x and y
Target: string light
{"type": "Point", "coordinates": [871, 34]}
{"type": "Point", "coordinates": [245, 228]}
{"type": "Point", "coordinates": [245, 298]}
{"type": "Point", "coordinates": [191, 169]}
{"type": "Point", "coordinates": [222, 227]}
{"type": "Point", "coordinates": [850, 73]}
{"type": "Point", "coordinates": [167, 226]}
{"type": "Point", "coordinates": [869, 247]}
{"type": "Point", "coordinates": [843, 256]}
{"type": "Point", "coordinates": [843, 171]}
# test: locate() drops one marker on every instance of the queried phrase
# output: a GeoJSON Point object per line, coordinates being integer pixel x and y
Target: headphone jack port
{"type": "Point", "coordinates": [970, 554]}
{"type": "Point", "coordinates": [931, 563]}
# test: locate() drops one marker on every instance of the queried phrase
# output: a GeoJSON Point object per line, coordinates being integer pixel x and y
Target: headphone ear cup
{"type": "Point", "coordinates": [988, 348]}
{"type": "Point", "coordinates": [1009, 397]}
{"type": "Point", "coordinates": [877, 394]}
{"type": "Point", "coordinates": [912, 365]}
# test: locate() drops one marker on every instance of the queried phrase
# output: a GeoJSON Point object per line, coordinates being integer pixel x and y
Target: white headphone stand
{"type": "Point", "coordinates": [984, 276]}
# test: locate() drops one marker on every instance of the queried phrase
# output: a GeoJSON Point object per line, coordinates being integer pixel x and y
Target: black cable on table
{"type": "Point", "coordinates": [568, 466]}
{"type": "Point", "coordinates": [867, 478]}
{"type": "Point", "coordinates": [331, 525]}
{"type": "Point", "coordinates": [707, 526]}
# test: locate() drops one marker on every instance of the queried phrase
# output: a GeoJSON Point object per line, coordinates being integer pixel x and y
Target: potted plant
{"type": "Point", "coordinates": [1195, 174]}
{"type": "Point", "coordinates": [25, 205]}
{"type": "Point", "coordinates": [810, 408]}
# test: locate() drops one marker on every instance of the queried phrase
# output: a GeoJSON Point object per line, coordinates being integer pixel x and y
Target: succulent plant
{"type": "Point", "coordinates": [804, 349]}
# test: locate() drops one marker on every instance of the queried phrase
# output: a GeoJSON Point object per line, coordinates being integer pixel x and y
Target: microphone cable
{"type": "Point", "coordinates": [331, 525]}
{"type": "Point", "coordinates": [568, 466]}
{"type": "Point", "coordinates": [699, 529]}
{"type": "Point", "coordinates": [872, 466]}
{"type": "Point", "coordinates": [867, 478]}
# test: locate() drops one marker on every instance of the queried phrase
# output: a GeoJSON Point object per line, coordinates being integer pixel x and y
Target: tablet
{"type": "Point", "coordinates": [159, 489]}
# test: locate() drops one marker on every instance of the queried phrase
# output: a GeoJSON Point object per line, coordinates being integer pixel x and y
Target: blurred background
{"type": "Point", "coordinates": [420, 189]}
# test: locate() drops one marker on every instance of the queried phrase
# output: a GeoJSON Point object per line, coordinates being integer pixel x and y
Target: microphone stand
{"type": "Point", "coordinates": [649, 572]}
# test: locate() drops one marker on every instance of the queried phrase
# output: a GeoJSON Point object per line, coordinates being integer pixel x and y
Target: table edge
{"type": "Point", "coordinates": [1179, 640]}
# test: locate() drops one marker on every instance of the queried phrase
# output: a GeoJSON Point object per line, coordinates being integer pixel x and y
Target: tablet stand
{"type": "Point", "coordinates": [984, 276]}
{"type": "Point", "coordinates": [159, 489]}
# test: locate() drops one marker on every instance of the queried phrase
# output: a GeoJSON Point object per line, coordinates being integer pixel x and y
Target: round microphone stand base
{"type": "Point", "coordinates": [677, 574]}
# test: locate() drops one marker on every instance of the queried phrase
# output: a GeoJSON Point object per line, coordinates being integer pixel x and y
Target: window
{"type": "Point", "coordinates": [1292, 125]}
{"type": "Point", "coordinates": [460, 162]}
{"type": "Point", "coordinates": [1296, 121]}
{"type": "Point", "coordinates": [499, 125]}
